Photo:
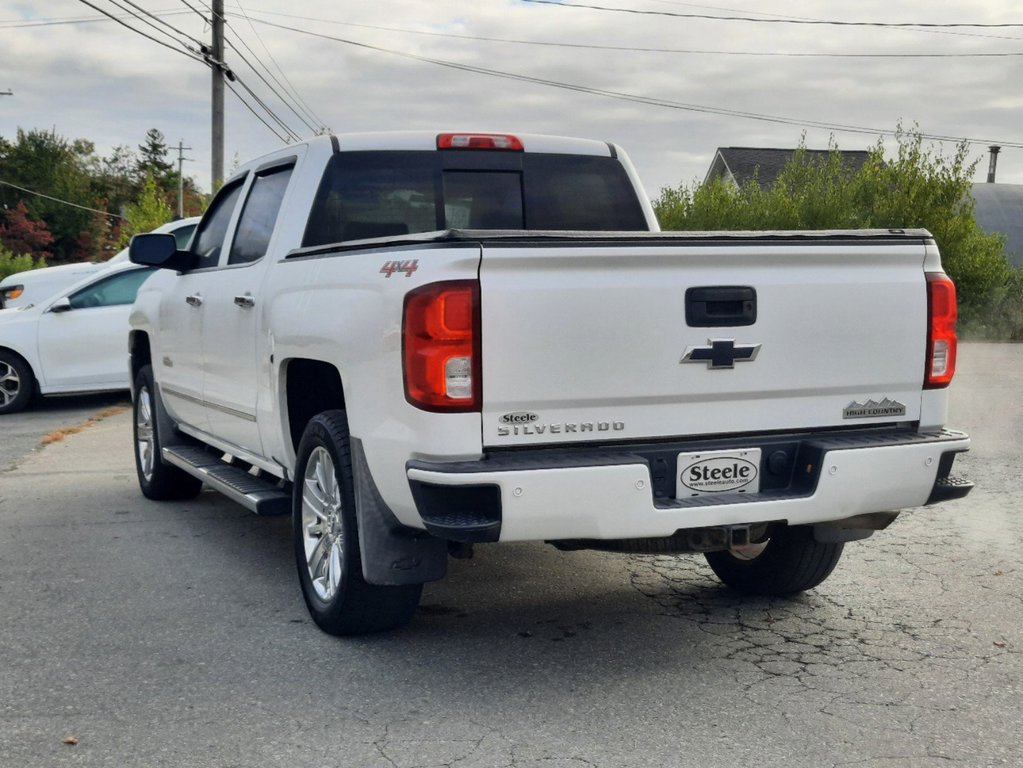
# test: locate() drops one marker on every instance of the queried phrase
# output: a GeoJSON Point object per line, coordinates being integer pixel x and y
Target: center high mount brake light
{"type": "Point", "coordinates": [479, 141]}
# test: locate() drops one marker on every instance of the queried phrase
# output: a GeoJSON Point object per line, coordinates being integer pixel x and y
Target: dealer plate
{"type": "Point", "coordinates": [708, 472]}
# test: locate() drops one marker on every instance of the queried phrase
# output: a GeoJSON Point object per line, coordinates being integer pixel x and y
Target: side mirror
{"type": "Point", "coordinates": [158, 250]}
{"type": "Point", "coordinates": [63, 304]}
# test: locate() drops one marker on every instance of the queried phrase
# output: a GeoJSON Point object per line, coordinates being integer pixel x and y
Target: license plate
{"type": "Point", "coordinates": [709, 472]}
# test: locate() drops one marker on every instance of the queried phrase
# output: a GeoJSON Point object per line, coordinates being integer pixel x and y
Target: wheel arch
{"type": "Point", "coordinates": [139, 352]}
{"type": "Point", "coordinates": [310, 387]}
{"type": "Point", "coordinates": [24, 358]}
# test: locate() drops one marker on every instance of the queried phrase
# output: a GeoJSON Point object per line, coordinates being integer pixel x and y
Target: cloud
{"type": "Point", "coordinates": [101, 82]}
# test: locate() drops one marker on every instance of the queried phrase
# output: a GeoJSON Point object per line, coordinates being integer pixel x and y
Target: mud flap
{"type": "Point", "coordinates": [392, 554]}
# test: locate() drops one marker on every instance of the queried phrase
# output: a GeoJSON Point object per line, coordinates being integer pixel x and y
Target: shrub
{"type": "Point", "coordinates": [11, 263]}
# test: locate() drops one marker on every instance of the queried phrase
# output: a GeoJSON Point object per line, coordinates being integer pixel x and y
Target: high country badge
{"type": "Point", "coordinates": [873, 409]}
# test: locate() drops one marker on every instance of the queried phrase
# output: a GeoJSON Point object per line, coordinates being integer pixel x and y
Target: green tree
{"type": "Point", "coordinates": [51, 165]}
{"type": "Point", "coordinates": [916, 188]}
{"type": "Point", "coordinates": [149, 211]}
{"type": "Point", "coordinates": [152, 159]}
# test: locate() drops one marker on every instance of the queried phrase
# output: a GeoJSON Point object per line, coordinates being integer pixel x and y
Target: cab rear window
{"type": "Point", "coordinates": [379, 194]}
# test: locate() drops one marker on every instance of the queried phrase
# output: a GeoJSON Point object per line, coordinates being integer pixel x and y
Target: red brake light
{"type": "Point", "coordinates": [441, 347]}
{"type": "Point", "coordinates": [479, 141]}
{"type": "Point", "coordinates": [941, 331]}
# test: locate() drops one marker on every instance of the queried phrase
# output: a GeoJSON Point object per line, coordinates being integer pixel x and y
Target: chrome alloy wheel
{"type": "Point", "coordinates": [10, 383]}
{"type": "Point", "coordinates": [144, 443]}
{"type": "Point", "coordinates": [323, 533]}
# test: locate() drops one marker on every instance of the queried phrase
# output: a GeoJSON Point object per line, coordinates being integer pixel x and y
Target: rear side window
{"type": "Point", "coordinates": [259, 216]}
{"type": "Point", "coordinates": [380, 194]}
{"type": "Point", "coordinates": [374, 194]}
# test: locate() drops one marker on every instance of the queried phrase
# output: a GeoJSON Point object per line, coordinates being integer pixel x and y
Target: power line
{"type": "Point", "coordinates": [140, 32]}
{"type": "Point", "coordinates": [165, 23]}
{"type": "Point", "coordinates": [74, 20]}
{"type": "Point", "coordinates": [273, 115]}
{"type": "Point", "coordinates": [635, 98]}
{"type": "Point", "coordinates": [818, 22]}
{"type": "Point", "coordinates": [58, 200]}
{"type": "Point", "coordinates": [148, 23]}
{"type": "Point", "coordinates": [256, 115]}
{"type": "Point", "coordinates": [268, 85]}
{"type": "Point", "coordinates": [633, 49]}
{"type": "Point", "coordinates": [196, 10]}
{"type": "Point", "coordinates": [294, 91]}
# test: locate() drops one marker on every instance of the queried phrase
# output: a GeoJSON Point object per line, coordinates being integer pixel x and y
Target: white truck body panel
{"type": "Point", "coordinates": [582, 333]}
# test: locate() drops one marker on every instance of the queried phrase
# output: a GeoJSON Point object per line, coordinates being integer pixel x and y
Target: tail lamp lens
{"type": "Point", "coordinates": [941, 333]}
{"type": "Point", "coordinates": [441, 347]}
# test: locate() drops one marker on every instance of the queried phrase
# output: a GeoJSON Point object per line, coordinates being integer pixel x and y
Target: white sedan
{"type": "Point", "coordinates": [74, 341]}
{"type": "Point", "coordinates": [35, 285]}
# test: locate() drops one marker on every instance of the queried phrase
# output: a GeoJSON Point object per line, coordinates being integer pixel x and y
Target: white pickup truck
{"type": "Point", "coordinates": [412, 343]}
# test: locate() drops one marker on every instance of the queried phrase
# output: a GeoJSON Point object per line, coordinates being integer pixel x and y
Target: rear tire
{"type": "Point", "coordinates": [790, 561]}
{"type": "Point", "coordinates": [17, 384]}
{"type": "Point", "coordinates": [158, 480]}
{"type": "Point", "coordinates": [326, 539]}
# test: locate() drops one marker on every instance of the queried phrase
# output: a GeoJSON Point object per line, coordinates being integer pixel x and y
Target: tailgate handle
{"type": "Point", "coordinates": [721, 306]}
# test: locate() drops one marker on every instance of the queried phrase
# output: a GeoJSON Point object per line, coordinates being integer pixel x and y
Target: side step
{"type": "Point", "coordinates": [254, 493]}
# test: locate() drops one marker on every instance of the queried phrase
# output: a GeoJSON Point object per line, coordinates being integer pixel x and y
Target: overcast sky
{"type": "Point", "coordinates": [73, 70]}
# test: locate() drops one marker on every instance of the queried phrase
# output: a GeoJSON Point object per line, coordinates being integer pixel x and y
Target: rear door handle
{"type": "Point", "coordinates": [194, 300]}
{"type": "Point", "coordinates": [245, 301]}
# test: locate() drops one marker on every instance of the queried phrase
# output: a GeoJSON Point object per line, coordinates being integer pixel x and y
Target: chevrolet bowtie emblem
{"type": "Point", "coordinates": [722, 353]}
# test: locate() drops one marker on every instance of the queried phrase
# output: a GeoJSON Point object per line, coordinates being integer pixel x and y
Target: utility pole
{"type": "Point", "coordinates": [181, 178]}
{"type": "Point", "coordinates": [217, 54]}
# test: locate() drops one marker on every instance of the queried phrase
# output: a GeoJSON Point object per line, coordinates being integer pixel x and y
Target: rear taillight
{"type": "Point", "coordinates": [441, 347]}
{"type": "Point", "coordinates": [479, 141]}
{"type": "Point", "coordinates": [941, 331]}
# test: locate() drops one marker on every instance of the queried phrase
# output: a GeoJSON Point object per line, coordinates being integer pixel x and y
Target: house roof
{"type": "Point", "coordinates": [740, 164]}
{"type": "Point", "coordinates": [1000, 209]}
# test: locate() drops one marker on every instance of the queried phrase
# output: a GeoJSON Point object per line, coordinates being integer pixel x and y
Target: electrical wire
{"type": "Point", "coordinates": [635, 98]}
{"type": "Point", "coordinates": [196, 11]}
{"type": "Point", "coordinates": [58, 200]}
{"type": "Point", "coordinates": [273, 90]}
{"type": "Point", "coordinates": [633, 49]}
{"type": "Point", "coordinates": [294, 91]}
{"type": "Point", "coordinates": [165, 23]}
{"type": "Point", "coordinates": [120, 5]}
{"type": "Point", "coordinates": [231, 88]}
{"type": "Point", "coordinates": [185, 52]}
{"type": "Point", "coordinates": [786, 20]}
{"type": "Point", "coordinates": [73, 20]}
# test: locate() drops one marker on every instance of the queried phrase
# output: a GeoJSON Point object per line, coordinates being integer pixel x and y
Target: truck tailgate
{"type": "Point", "coordinates": [584, 340]}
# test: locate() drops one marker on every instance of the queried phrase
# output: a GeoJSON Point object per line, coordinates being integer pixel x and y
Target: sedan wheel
{"type": "Point", "coordinates": [16, 383]}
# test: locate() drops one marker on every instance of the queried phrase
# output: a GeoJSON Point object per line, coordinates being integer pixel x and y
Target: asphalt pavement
{"type": "Point", "coordinates": [141, 634]}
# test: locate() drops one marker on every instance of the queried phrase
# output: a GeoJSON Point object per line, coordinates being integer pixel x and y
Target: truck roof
{"type": "Point", "coordinates": [427, 140]}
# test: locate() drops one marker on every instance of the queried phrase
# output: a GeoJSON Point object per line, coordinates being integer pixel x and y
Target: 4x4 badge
{"type": "Point", "coordinates": [722, 353]}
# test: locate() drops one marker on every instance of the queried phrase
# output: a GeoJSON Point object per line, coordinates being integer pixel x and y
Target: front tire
{"type": "Point", "coordinates": [17, 384]}
{"type": "Point", "coordinates": [158, 480]}
{"type": "Point", "coordinates": [790, 561]}
{"type": "Point", "coordinates": [326, 539]}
